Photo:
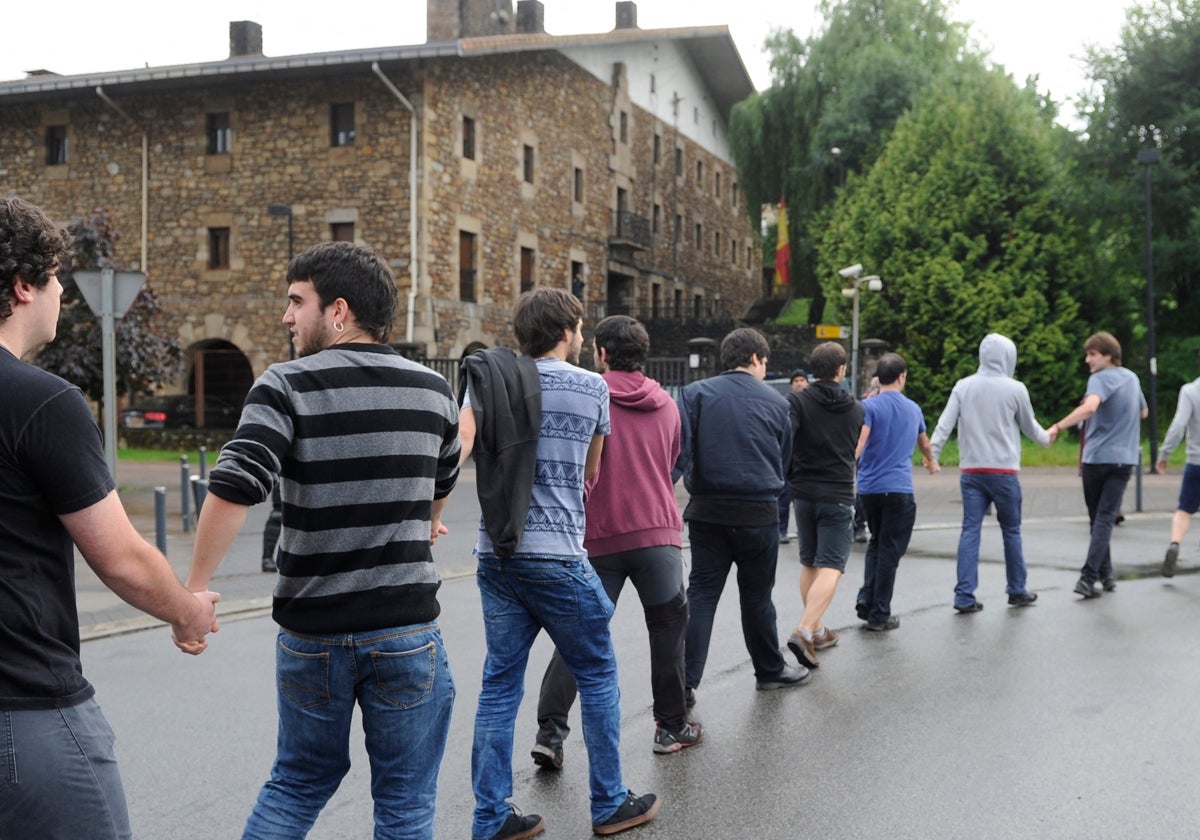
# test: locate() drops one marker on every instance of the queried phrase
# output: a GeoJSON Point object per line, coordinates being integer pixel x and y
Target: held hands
{"type": "Point", "coordinates": [189, 638]}
{"type": "Point", "coordinates": [1053, 432]}
{"type": "Point", "coordinates": [1161, 468]}
{"type": "Point", "coordinates": [932, 465]}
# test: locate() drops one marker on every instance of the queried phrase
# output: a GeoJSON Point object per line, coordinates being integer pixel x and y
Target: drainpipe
{"type": "Point", "coordinates": [413, 263]}
{"type": "Point", "coordinates": [145, 170]}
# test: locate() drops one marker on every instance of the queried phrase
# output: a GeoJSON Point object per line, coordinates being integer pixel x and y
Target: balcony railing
{"type": "Point", "coordinates": [647, 310]}
{"type": "Point", "coordinates": [632, 229]}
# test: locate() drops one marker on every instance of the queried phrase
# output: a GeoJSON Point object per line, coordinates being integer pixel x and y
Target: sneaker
{"type": "Point", "coordinates": [268, 565]}
{"type": "Point", "coordinates": [1087, 589]}
{"type": "Point", "coordinates": [1168, 567]}
{"type": "Point", "coordinates": [784, 539]}
{"type": "Point", "coordinates": [666, 741]}
{"type": "Point", "coordinates": [862, 610]}
{"type": "Point", "coordinates": [860, 534]}
{"type": "Point", "coordinates": [825, 638]}
{"type": "Point", "coordinates": [1109, 584]}
{"type": "Point", "coordinates": [547, 757]}
{"type": "Point", "coordinates": [519, 826]}
{"type": "Point", "coordinates": [1024, 599]}
{"type": "Point", "coordinates": [974, 606]}
{"type": "Point", "coordinates": [890, 623]}
{"type": "Point", "coordinates": [804, 649]}
{"type": "Point", "coordinates": [787, 678]}
{"type": "Point", "coordinates": [689, 697]}
{"type": "Point", "coordinates": [635, 811]}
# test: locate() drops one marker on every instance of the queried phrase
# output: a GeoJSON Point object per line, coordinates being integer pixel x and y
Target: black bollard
{"type": "Point", "coordinates": [183, 492]}
{"type": "Point", "coordinates": [160, 519]}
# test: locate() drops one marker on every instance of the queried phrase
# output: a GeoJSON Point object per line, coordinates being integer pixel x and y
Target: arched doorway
{"type": "Point", "coordinates": [219, 377]}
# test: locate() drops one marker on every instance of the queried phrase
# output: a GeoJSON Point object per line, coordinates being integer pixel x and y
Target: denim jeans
{"type": "Point", "coordinates": [715, 549]}
{"type": "Point", "coordinates": [58, 776]}
{"type": "Point", "coordinates": [564, 597]}
{"type": "Point", "coordinates": [657, 575]}
{"type": "Point", "coordinates": [400, 679]}
{"type": "Point", "coordinates": [978, 491]}
{"type": "Point", "coordinates": [891, 517]}
{"type": "Point", "coordinates": [1103, 491]}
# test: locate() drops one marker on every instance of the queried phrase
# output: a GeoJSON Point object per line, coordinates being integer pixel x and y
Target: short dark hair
{"type": "Point", "coordinates": [356, 274]}
{"type": "Point", "coordinates": [625, 339]}
{"type": "Point", "coordinates": [889, 368]}
{"type": "Point", "coordinates": [740, 345]}
{"type": "Point", "coordinates": [798, 373]}
{"type": "Point", "coordinates": [540, 317]}
{"type": "Point", "coordinates": [1105, 344]}
{"type": "Point", "coordinates": [31, 248]}
{"type": "Point", "coordinates": [826, 359]}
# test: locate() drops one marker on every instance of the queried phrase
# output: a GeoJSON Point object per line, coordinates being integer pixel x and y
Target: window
{"type": "Point", "coordinates": [341, 124]}
{"type": "Point", "coordinates": [56, 145]}
{"type": "Point", "coordinates": [733, 195]}
{"type": "Point", "coordinates": [717, 183]}
{"type": "Point", "coordinates": [733, 249]}
{"type": "Point", "coordinates": [578, 185]}
{"type": "Point", "coordinates": [219, 134]}
{"type": "Point", "coordinates": [678, 163]}
{"type": "Point", "coordinates": [466, 266]}
{"type": "Point", "coordinates": [699, 236]}
{"type": "Point", "coordinates": [218, 247]}
{"type": "Point", "coordinates": [468, 130]}
{"type": "Point", "coordinates": [717, 244]}
{"type": "Point", "coordinates": [528, 164]}
{"type": "Point", "coordinates": [677, 312]}
{"type": "Point", "coordinates": [342, 231]}
{"type": "Point", "coordinates": [699, 173]}
{"type": "Point", "coordinates": [657, 148]}
{"type": "Point", "coordinates": [678, 227]}
{"type": "Point", "coordinates": [697, 306]}
{"type": "Point", "coordinates": [624, 127]}
{"type": "Point", "coordinates": [527, 258]}
{"type": "Point", "coordinates": [655, 301]}
{"type": "Point", "coordinates": [656, 219]}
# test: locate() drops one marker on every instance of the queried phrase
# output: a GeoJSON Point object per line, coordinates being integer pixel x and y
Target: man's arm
{"type": "Point", "coordinates": [929, 461]}
{"type": "Point", "coordinates": [862, 441]}
{"type": "Point", "coordinates": [466, 432]}
{"type": "Point", "coordinates": [220, 521]}
{"type": "Point", "coordinates": [945, 424]}
{"type": "Point", "coordinates": [138, 572]}
{"type": "Point", "coordinates": [1082, 412]}
{"type": "Point", "coordinates": [592, 465]}
{"type": "Point", "coordinates": [436, 528]}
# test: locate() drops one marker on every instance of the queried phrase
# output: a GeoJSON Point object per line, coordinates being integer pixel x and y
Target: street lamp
{"type": "Point", "coordinates": [837, 155]}
{"type": "Point", "coordinates": [853, 273]}
{"type": "Point", "coordinates": [286, 210]}
{"type": "Point", "coordinates": [1147, 158]}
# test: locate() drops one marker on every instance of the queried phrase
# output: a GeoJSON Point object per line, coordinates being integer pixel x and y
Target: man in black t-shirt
{"type": "Point", "coordinates": [58, 778]}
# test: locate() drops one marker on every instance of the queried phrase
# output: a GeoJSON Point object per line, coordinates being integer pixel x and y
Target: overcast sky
{"type": "Point", "coordinates": [1043, 37]}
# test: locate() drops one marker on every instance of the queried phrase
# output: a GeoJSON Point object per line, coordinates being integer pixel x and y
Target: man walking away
{"type": "Point", "coordinates": [826, 422]}
{"type": "Point", "coordinates": [893, 425]}
{"type": "Point", "coordinates": [991, 410]}
{"type": "Point", "coordinates": [1186, 421]}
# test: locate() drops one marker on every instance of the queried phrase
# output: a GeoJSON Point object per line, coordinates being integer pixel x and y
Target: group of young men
{"type": "Point", "coordinates": [576, 476]}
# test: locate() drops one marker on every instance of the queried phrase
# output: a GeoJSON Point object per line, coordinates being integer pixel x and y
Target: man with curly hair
{"type": "Point", "coordinates": [60, 777]}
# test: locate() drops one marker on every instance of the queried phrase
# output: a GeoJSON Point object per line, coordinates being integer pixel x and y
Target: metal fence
{"type": "Point", "coordinates": [673, 373]}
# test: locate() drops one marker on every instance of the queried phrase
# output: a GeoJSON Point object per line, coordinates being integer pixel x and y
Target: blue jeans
{"type": "Point", "coordinates": [58, 776]}
{"type": "Point", "coordinates": [715, 549]}
{"type": "Point", "coordinates": [978, 491]}
{"type": "Point", "coordinates": [1103, 491]}
{"type": "Point", "coordinates": [519, 598]}
{"type": "Point", "coordinates": [891, 517]}
{"type": "Point", "coordinates": [400, 679]}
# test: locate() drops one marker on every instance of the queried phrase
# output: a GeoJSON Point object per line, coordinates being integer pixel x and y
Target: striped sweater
{"type": "Point", "coordinates": [362, 440]}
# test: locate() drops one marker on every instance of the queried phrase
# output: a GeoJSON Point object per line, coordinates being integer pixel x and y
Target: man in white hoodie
{"type": "Point", "coordinates": [991, 410]}
{"type": "Point", "coordinates": [1187, 420]}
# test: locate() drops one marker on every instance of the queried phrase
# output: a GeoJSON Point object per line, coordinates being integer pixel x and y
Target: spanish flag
{"type": "Point", "coordinates": [783, 250]}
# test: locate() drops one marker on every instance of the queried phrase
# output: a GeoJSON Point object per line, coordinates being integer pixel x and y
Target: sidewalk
{"type": "Point", "coordinates": [1054, 530]}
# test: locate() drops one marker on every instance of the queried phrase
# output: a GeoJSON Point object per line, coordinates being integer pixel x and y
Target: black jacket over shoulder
{"type": "Point", "coordinates": [506, 398]}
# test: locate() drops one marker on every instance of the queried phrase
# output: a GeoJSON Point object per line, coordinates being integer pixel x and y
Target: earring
{"type": "Point", "coordinates": [338, 327]}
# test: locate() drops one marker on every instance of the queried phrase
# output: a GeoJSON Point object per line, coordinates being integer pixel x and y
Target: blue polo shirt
{"type": "Point", "coordinates": [895, 422]}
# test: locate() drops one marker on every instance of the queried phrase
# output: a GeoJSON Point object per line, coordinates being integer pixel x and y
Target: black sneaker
{"type": "Point", "coordinates": [1024, 599]}
{"type": "Point", "coordinates": [974, 606]}
{"type": "Point", "coordinates": [786, 678]}
{"type": "Point", "coordinates": [862, 610]}
{"type": "Point", "coordinates": [890, 623]}
{"type": "Point", "coordinates": [689, 697]}
{"type": "Point", "coordinates": [547, 757]}
{"type": "Point", "coordinates": [860, 534]}
{"type": "Point", "coordinates": [1087, 589]}
{"type": "Point", "coordinates": [636, 810]}
{"type": "Point", "coordinates": [1109, 584]}
{"type": "Point", "coordinates": [1168, 567]}
{"type": "Point", "coordinates": [669, 741]}
{"type": "Point", "coordinates": [519, 826]}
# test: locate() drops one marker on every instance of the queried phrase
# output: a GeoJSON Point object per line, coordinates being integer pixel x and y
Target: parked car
{"type": "Point", "coordinates": [178, 411]}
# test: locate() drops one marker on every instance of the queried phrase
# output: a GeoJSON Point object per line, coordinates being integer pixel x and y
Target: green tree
{"type": "Point", "coordinates": [844, 88]}
{"type": "Point", "coordinates": [962, 217]}
{"type": "Point", "coordinates": [145, 359]}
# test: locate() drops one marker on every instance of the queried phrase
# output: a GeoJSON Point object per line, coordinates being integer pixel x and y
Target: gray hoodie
{"type": "Point", "coordinates": [1187, 419]}
{"type": "Point", "coordinates": [991, 409]}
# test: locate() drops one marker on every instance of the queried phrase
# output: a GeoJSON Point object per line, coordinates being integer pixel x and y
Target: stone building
{"type": "Point", "coordinates": [491, 158]}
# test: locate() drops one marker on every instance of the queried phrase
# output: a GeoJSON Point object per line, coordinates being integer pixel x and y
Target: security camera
{"type": "Point", "coordinates": [874, 284]}
{"type": "Point", "coordinates": [852, 272]}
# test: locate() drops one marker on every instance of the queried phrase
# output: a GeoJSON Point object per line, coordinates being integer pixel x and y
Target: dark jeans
{"type": "Point", "coordinates": [657, 575]}
{"type": "Point", "coordinates": [715, 549]}
{"type": "Point", "coordinates": [785, 510]}
{"type": "Point", "coordinates": [891, 517]}
{"type": "Point", "coordinates": [1103, 490]}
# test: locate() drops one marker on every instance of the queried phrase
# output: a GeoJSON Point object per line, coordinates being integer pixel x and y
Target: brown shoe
{"type": "Point", "coordinates": [805, 651]}
{"type": "Point", "coordinates": [825, 639]}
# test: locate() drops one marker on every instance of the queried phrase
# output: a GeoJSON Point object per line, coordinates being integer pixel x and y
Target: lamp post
{"type": "Point", "coordinates": [853, 273]}
{"type": "Point", "coordinates": [837, 155]}
{"type": "Point", "coordinates": [1147, 158]}
{"type": "Point", "coordinates": [286, 210]}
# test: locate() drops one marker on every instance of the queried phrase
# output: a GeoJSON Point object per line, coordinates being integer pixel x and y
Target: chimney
{"type": "Point", "coordinates": [626, 15]}
{"type": "Point", "coordinates": [245, 38]}
{"type": "Point", "coordinates": [531, 17]}
{"type": "Point", "coordinates": [449, 20]}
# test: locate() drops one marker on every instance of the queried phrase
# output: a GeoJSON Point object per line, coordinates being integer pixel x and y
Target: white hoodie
{"type": "Point", "coordinates": [991, 410]}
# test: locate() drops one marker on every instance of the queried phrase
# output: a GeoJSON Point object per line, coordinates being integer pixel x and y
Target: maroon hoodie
{"type": "Point", "coordinates": [631, 501]}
